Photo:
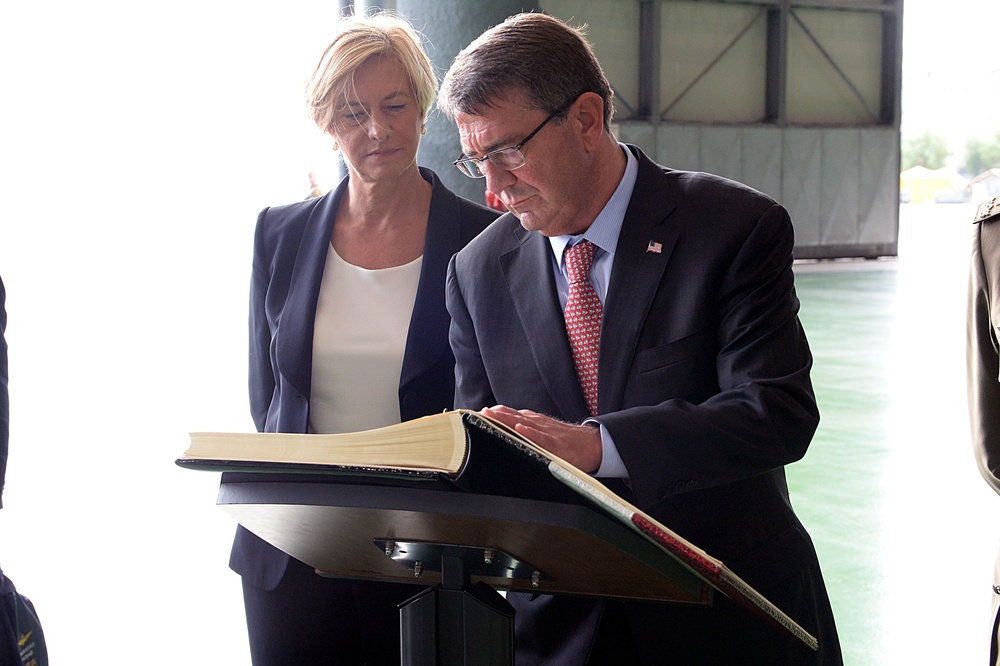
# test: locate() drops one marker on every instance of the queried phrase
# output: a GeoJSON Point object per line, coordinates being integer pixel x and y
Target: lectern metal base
{"type": "Point", "coordinates": [421, 557]}
{"type": "Point", "coordinates": [455, 624]}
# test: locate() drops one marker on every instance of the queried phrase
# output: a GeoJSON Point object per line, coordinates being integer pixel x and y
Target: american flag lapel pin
{"type": "Point", "coordinates": [654, 247]}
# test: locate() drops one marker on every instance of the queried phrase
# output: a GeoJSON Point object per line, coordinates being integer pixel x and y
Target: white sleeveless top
{"type": "Point", "coordinates": [359, 337]}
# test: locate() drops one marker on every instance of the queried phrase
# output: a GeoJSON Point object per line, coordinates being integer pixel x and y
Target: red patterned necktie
{"type": "Point", "coordinates": [583, 319]}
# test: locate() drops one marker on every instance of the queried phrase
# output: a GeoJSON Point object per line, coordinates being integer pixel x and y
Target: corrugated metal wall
{"type": "Point", "coordinates": [840, 185]}
{"type": "Point", "coordinates": [797, 98]}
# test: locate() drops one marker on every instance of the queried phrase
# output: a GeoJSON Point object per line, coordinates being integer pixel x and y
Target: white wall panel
{"type": "Point", "coordinates": [680, 146]}
{"type": "Point", "coordinates": [722, 151]}
{"type": "Point", "coordinates": [879, 197]}
{"type": "Point", "coordinates": [761, 159]}
{"type": "Point", "coordinates": [838, 212]}
{"type": "Point", "coordinates": [803, 178]}
{"type": "Point", "coordinates": [839, 185]}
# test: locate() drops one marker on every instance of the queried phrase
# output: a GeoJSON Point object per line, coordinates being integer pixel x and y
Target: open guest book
{"type": "Point", "coordinates": [464, 451]}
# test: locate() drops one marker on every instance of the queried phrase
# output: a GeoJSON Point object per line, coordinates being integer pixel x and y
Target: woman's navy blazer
{"type": "Point", "coordinates": [290, 250]}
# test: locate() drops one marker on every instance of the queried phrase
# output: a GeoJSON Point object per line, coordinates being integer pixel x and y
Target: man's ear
{"type": "Point", "coordinates": [588, 111]}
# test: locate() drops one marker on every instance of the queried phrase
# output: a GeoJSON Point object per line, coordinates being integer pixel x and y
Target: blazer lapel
{"type": "Point", "coordinates": [294, 337]}
{"type": "Point", "coordinates": [528, 271]}
{"type": "Point", "coordinates": [644, 247]}
{"type": "Point", "coordinates": [427, 337]}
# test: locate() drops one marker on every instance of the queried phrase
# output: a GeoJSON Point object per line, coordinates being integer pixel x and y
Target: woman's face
{"type": "Point", "coordinates": [378, 127]}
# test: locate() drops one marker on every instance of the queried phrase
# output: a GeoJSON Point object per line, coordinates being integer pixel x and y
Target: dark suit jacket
{"type": "Point", "coordinates": [983, 350]}
{"type": "Point", "coordinates": [290, 249]}
{"type": "Point", "coordinates": [983, 378]}
{"type": "Point", "coordinates": [17, 614]}
{"type": "Point", "coordinates": [704, 368]}
{"type": "Point", "coordinates": [4, 398]}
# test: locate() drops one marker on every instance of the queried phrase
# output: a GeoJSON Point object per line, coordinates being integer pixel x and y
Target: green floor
{"type": "Point", "coordinates": [836, 487]}
{"type": "Point", "coordinates": [905, 528]}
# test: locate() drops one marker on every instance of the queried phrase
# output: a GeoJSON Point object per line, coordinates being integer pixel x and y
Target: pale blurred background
{"type": "Point", "coordinates": [138, 143]}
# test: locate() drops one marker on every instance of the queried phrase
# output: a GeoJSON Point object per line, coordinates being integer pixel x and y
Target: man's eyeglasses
{"type": "Point", "coordinates": [507, 159]}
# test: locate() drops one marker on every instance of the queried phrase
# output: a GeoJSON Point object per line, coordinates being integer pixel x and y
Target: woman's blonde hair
{"type": "Point", "coordinates": [355, 41]}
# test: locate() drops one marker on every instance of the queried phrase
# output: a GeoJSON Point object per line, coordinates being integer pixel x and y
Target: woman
{"type": "Point", "coordinates": [348, 327]}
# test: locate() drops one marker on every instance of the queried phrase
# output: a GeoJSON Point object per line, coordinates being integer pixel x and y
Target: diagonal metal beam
{"type": "Point", "coordinates": [836, 68]}
{"type": "Point", "coordinates": [676, 100]}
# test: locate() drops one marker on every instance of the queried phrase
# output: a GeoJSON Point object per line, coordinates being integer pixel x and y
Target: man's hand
{"type": "Point", "coordinates": [579, 445]}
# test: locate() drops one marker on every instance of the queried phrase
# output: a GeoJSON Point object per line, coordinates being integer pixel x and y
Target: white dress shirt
{"type": "Point", "coordinates": [603, 233]}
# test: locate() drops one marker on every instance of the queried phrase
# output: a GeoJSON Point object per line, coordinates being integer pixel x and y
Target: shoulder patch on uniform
{"type": "Point", "coordinates": [988, 210]}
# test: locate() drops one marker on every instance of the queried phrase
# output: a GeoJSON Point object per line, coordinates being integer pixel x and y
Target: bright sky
{"type": "Point", "coordinates": [951, 68]}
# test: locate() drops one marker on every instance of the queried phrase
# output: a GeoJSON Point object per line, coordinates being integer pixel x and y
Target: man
{"type": "Point", "coordinates": [314, 189]}
{"type": "Point", "coordinates": [4, 400]}
{"type": "Point", "coordinates": [9, 654]}
{"type": "Point", "coordinates": [21, 638]}
{"type": "Point", "coordinates": [983, 362]}
{"type": "Point", "coordinates": [702, 369]}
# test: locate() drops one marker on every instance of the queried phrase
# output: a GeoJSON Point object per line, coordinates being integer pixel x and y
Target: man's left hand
{"type": "Point", "coordinates": [579, 445]}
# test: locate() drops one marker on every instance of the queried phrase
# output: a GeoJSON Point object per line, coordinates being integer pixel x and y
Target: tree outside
{"type": "Point", "coordinates": [927, 150]}
{"type": "Point", "coordinates": [982, 155]}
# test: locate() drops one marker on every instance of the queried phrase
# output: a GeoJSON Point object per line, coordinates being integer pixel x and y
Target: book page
{"type": "Point", "coordinates": [435, 443]}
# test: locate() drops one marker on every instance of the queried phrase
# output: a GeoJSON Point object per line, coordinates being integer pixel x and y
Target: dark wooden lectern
{"type": "Point", "coordinates": [463, 547]}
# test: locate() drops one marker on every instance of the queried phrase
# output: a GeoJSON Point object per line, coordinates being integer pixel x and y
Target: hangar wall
{"type": "Point", "coordinates": [798, 98]}
{"type": "Point", "coordinates": [840, 185]}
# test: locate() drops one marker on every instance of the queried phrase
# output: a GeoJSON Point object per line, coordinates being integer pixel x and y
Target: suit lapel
{"type": "Point", "coordinates": [635, 277]}
{"type": "Point", "coordinates": [528, 272]}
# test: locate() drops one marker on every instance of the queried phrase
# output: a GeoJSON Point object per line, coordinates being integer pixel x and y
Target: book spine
{"type": "Point", "coordinates": [495, 432]}
{"type": "Point", "coordinates": [701, 563]}
{"type": "Point", "coordinates": [710, 569]}
{"type": "Point", "coordinates": [607, 502]}
{"type": "Point", "coordinates": [499, 464]}
{"type": "Point", "coordinates": [728, 583]}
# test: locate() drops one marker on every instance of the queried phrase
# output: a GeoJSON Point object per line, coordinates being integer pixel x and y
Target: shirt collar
{"type": "Point", "coordinates": [606, 227]}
